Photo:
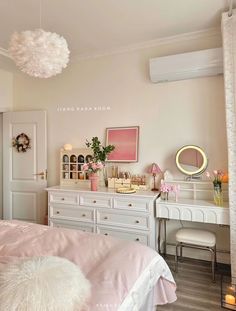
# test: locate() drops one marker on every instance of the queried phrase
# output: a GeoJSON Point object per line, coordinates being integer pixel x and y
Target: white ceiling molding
{"type": "Point", "coordinates": [206, 33]}
{"type": "Point", "coordinates": [5, 53]}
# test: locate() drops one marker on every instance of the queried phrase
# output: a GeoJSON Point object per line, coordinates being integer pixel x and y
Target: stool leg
{"type": "Point", "coordinates": [212, 263]}
{"type": "Point", "coordinates": [181, 252]}
{"type": "Point", "coordinates": [215, 258]}
{"type": "Point", "coordinates": [176, 257]}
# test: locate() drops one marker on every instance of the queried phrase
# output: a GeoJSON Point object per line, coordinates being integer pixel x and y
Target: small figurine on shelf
{"type": "Point", "coordinates": [66, 167]}
{"type": "Point", "coordinates": [73, 159]}
{"type": "Point", "coordinates": [65, 158]}
{"type": "Point", "coordinates": [168, 175]}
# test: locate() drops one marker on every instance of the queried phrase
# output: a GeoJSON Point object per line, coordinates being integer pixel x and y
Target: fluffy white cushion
{"type": "Point", "coordinates": [43, 284]}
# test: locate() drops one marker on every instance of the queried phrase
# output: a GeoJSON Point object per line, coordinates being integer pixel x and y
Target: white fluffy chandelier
{"type": "Point", "coordinates": [39, 53]}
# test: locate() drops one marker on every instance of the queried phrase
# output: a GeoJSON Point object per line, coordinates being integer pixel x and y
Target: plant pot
{"type": "Point", "coordinates": [94, 178]}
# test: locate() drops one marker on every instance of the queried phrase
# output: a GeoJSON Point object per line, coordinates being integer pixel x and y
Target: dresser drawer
{"type": "Point", "coordinates": [65, 198]}
{"type": "Point", "coordinates": [124, 235]}
{"type": "Point", "coordinates": [71, 225]}
{"type": "Point", "coordinates": [72, 212]}
{"type": "Point", "coordinates": [95, 201]}
{"type": "Point", "coordinates": [127, 220]}
{"type": "Point", "coordinates": [132, 204]}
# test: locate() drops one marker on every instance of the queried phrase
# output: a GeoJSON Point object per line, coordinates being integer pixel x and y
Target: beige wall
{"type": "Point", "coordinates": [169, 115]}
{"type": "Point", "coordinates": [6, 90]}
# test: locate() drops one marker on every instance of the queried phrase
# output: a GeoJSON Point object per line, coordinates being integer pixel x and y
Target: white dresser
{"type": "Point", "coordinates": [126, 216]}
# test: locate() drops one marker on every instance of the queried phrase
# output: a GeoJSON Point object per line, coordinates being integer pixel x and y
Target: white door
{"type": "Point", "coordinates": [25, 173]}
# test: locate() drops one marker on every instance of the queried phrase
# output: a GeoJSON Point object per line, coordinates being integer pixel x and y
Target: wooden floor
{"type": "Point", "coordinates": [195, 290]}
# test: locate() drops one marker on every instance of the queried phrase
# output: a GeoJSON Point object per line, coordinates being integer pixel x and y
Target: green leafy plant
{"type": "Point", "coordinates": [100, 152]}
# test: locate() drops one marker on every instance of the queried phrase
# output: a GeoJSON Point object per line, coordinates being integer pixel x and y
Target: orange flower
{"type": "Point", "coordinates": [225, 177]}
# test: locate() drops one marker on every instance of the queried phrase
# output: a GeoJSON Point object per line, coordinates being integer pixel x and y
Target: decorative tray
{"type": "Point", "coordinates": [125, 190]}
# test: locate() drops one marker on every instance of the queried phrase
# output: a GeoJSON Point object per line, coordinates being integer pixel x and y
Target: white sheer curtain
{"type": "Point", "coordinates": [228, 25]}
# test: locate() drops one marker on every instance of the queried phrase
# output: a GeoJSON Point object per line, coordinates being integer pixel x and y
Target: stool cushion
{"type": "Point", "coordinates": [196, 237]}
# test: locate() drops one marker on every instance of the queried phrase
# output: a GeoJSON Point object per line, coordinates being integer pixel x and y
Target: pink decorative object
{"type": "Point", "coordinates": [125, 140]}
{"type": "Point", "coordinates": [165, 189]}
{"type": "Point", "coordinates": [94, 181]}
{"type": "Point", "coordinates": [154, 170]}
{"type": "Point", "coordinates": [176, 189]}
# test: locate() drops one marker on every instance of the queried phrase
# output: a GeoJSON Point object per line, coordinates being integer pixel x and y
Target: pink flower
{"type": "Point", "coordinates": [166, 187]}
{"type": "Point", "coordinates": [94, 166]}
{"type": "Point", "coordinates": [85, 167]}
{"type": "Point", "coordinates": [100, 165]}
{"type": "Point", "coordinates": [217, 176]}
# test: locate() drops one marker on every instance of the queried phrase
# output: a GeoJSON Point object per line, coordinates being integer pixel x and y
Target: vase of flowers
{"type": "Point", "coordinates": [165, 189]}
{"type": "Point", "coordinates": [92, 168]}
{"type": "Point", "coordinates": [100, 154]}
{"type": "Point", "coordinates": [217, 178]}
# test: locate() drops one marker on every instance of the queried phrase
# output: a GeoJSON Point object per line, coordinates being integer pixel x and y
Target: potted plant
{"type": "Point", "coordinates": [100, 153]}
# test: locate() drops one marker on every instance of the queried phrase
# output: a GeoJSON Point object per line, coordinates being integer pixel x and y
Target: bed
{"type": "Point", "coordinates": [125, 276]}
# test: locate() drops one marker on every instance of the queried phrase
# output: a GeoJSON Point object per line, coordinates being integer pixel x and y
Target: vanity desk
{"type": "Point", "coordinates": [194, 205]}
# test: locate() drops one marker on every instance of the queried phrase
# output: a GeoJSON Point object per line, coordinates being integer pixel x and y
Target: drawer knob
{"type": "Point", "coordinates": [58, 212]}
{"type": "Point", "coordinates": [105, 217]}
{"type": "Point", "coordinates": [137, 239]}
{"type": "Point", "coordinates": [105, 233]}
{"type": "Point", "coordinates": [63, 199]}
{"type": "Point", "coordinates": [94, 201]}
{"type": "Point", "coordinates": [137, 221]}
{"type": "Point", "coordinates": [83, 215]}
{"type": "Point", "coordinates": [130, 204]}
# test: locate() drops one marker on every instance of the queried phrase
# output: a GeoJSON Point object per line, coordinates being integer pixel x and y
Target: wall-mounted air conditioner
{"type": "Point", "coordinates": [187, 65]}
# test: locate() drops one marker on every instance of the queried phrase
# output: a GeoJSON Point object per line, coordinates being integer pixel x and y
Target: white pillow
{"type": "Point", "coordinates": [43, 284]}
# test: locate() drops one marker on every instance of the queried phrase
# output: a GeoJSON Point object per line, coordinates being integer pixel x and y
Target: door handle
{"type": "Point", "coordinates": [43, 174]}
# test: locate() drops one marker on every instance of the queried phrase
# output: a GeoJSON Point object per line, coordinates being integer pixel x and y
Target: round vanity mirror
{"type": "Point", "coordinates": [191, 160]}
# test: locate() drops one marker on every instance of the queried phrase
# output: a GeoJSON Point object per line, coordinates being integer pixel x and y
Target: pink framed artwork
{"type": "Point", "coordinates": [125, 140]}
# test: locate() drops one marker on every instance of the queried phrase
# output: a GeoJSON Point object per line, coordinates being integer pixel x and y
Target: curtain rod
{"type": "Point", "coordinates": [230, 8]}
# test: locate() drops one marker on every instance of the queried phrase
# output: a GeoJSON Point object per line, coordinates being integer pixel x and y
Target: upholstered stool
{"type": "Point", "coordinates": [196, 238]}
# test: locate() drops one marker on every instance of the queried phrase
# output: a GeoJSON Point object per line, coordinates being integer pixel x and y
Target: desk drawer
{"type": "Point", "coordinates": [65, 198]}
{"type": "Point", "coordinates": [131, 204]}
{"type": "Point", "coordinates": [95, 201]}
{"type": "Point", "coordinates": [131, 236]}
{"type": "Point", "coordinates": [72, 212]}
{"type": "Point", "coordinates": [71, 225]}
{"type": "Point", "coordinates": [139, 222]}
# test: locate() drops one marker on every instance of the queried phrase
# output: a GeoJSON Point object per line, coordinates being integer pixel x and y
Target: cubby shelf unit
{"type": "Point", "coordinates": [71, 162]}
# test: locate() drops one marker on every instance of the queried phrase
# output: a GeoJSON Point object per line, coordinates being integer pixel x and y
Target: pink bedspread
{"type": "Point", "coordinates": [111, 265]}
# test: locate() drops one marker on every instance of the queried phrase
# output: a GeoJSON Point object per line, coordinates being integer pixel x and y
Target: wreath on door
{"type": "Point", "coordinates": [21, 142]}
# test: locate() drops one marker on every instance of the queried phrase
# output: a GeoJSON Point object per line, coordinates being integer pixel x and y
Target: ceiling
{"type": "Point", "coordinates": [94, 26]}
